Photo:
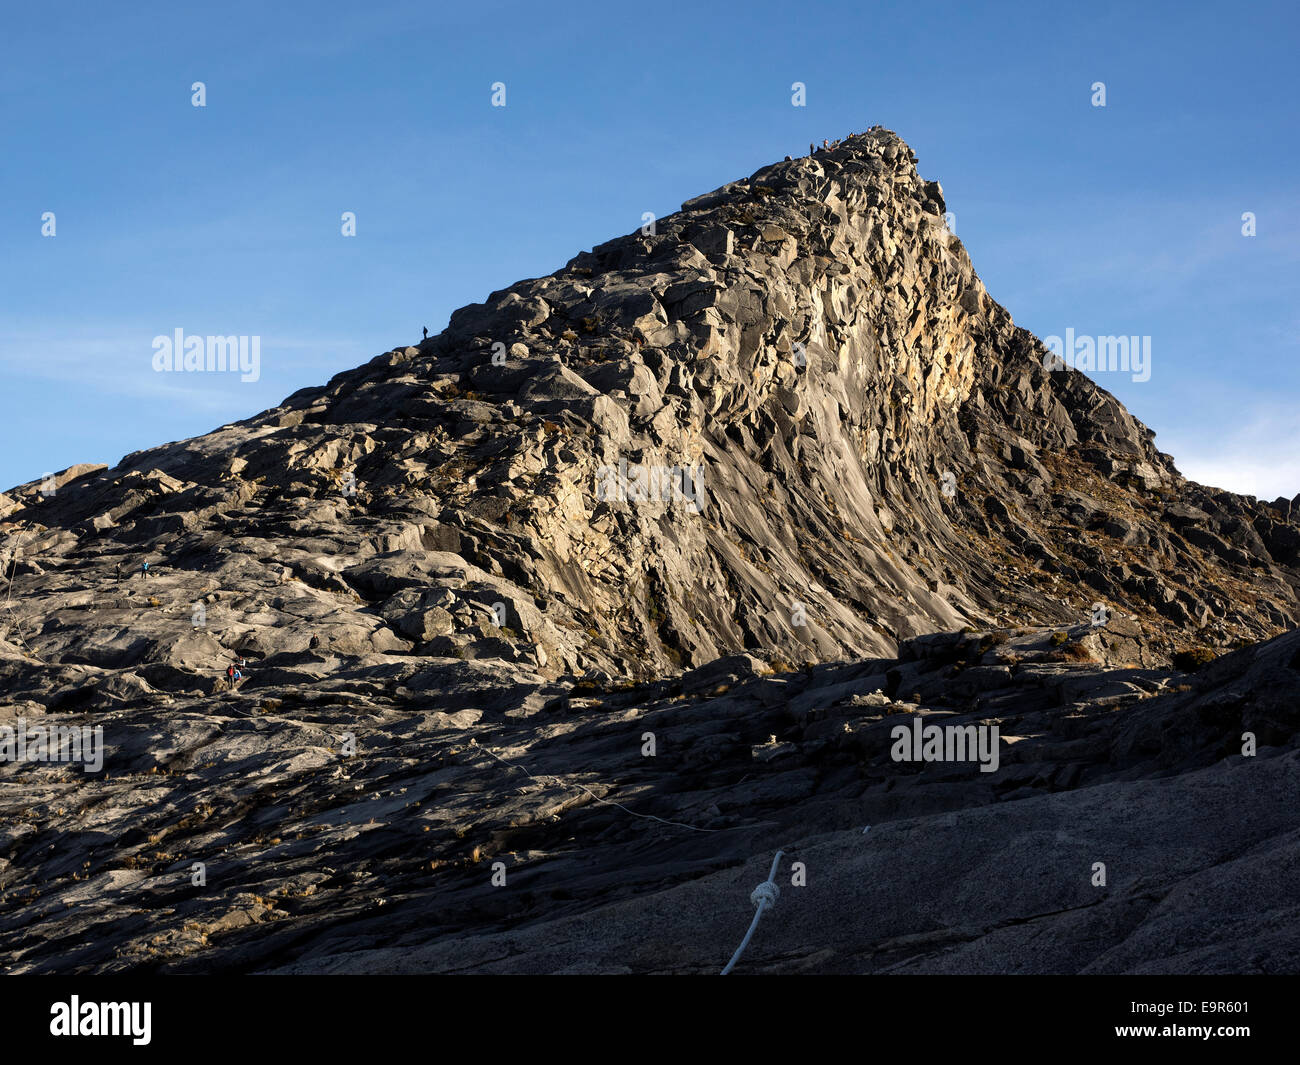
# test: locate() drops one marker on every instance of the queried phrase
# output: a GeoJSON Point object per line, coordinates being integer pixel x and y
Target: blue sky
{"type": "Point", "coordinates": [226, 219]}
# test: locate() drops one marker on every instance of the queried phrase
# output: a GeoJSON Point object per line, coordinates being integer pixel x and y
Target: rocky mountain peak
{"type": "Point", "coordinates": [788, 419]}
{"type": "Point", "coordinates": [752, 486]}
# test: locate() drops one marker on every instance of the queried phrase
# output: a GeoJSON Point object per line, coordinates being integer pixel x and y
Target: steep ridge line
{"type": "Point", "coordinates": [811, 342]}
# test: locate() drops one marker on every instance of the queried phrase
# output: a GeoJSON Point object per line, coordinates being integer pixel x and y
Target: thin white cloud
{"type": "Point", "coordinates": [1261, 458]}
{"type": "Point", "coordinates": [118, 362]}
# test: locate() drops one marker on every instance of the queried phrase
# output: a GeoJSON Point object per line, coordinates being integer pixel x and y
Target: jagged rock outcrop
{"type": "Point", "coordinates": [811, 341]}
{"type": "Point", "coordinates": [868, 498]}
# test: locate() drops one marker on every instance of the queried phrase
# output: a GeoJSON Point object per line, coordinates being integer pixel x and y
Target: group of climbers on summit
{"type": "Point", "coordinates": [826, 146]}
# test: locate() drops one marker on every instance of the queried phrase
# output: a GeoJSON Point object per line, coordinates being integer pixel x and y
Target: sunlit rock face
{"type": "Point", "coordinates": [755, 479]}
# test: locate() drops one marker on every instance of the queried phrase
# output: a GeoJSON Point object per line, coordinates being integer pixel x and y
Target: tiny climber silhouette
{"type": "Point", "coordinates": [426, 332]}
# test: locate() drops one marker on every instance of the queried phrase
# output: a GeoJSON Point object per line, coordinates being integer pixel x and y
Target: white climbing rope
{"type": "Point", "coordinates": [575, 784]}
{"type": "Point", "coordinates": [764, 898]}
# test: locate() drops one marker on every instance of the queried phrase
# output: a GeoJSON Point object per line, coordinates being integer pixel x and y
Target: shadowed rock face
{"type": "Point", "coordinates": [853, 453]}
{"type": "Point", "coordinates": [382, 862]}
